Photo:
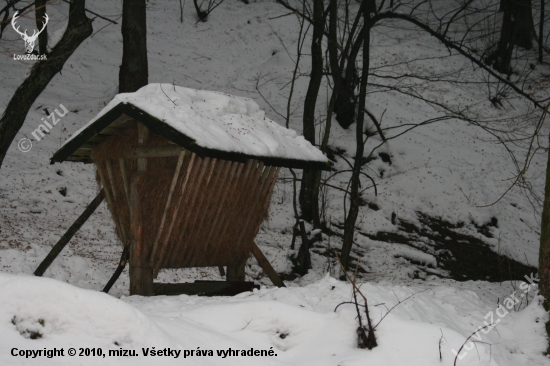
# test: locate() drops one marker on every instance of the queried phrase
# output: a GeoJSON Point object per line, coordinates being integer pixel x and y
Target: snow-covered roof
{"type": "Point", "coordinates": [206, 122]}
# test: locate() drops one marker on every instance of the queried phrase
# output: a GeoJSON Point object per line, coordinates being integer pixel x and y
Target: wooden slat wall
{"type": "Point", "coordinates": [208, 215]}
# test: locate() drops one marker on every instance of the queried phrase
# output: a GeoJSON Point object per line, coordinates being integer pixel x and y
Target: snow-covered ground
{"type": "Point", "coordinates": [446, 169]}
{"type": "Point", "coordinates": [299, 324]}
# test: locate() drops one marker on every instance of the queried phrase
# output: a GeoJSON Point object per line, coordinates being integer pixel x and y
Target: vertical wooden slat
{"type": "Point", "coordinates": [167, 206]}
{"type": "Point", "coordinates": [189, 204]}
{"type": "Point", "coordinates": [208, 198]}
{"type": "Point", "coordinates": [258, 188]}
{"type": "Point", "coordinates": [191, 168]}
{"type": "Point", "coordinates": [122, 166]}
{"type": "Point", "coordinates": [191, 210]}
{"type": "Point", "coordinates": [111, 178]}
{"type": "Point", "coordinates": [254, 188]}
{"type": "Point", "coordinates": [264, 201]}
{"type": "Point", "coordinates": [216, 222]}
{"type": "Point", "coordinates": [217, 189]}
{"type": "Point", "coordinates": [225, 222]}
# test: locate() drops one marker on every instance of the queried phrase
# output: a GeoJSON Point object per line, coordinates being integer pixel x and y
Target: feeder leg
{"type": "Point", "coordinates": [141, 281]}
{"type": "Point", "coordinates": [266, 266]}
{"type": "Point", "coordinates": [141, 273]}
{"type": "Point", "coordinates": [69, 234]}
{"type": "Point", "coordinates": [235, 272]}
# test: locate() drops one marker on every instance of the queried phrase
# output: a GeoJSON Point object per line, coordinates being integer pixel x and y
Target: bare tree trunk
{"type": "Point", "coordinates": [40, 12]}
{"type": "Point", "coordinates": [503, 54]}
{"type": "Point", "coordinates": [544, 254]}
{"type": "Point", "coordinates": [78, 29]}
{"type": "Point", "coordinates": [349, 224]}
{"type": "Point", "coordinates": [134, 69]}
{"type": "Point", "coordinates": [525, 26]}
{"type": "Point", "coordinates": [541, 31]}
{"type": "Point", "coordinates": [309, 189]}
{"type": "Point", "coordinates": [517, 30]}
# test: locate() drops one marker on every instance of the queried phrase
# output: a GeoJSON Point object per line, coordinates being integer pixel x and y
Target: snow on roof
{"type": "Point", "coordinates": [217, 121]}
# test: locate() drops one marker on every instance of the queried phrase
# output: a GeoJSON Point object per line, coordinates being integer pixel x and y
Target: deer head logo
{"type": "Point", "coordinates": [29, 40]}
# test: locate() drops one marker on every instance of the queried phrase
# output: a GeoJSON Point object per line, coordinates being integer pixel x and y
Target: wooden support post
{"type": "Point", "coordinates": [141, 273]}
{"type": "Point", "coordinates": [58, 247]}
{"type": "Point", "coordinates": [236, 272]}
{"type": "Point", "coordinates": [266, 266]}
{"type": "Point", "coordinates": [191, 167]}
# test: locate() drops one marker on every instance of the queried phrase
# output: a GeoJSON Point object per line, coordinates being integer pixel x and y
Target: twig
{"type": "Point", "coordinates": [168, 96]}
{"type": "Point", "coordinates": [370, 341]}
{"type": "Point", "coordinates": [528, 158]}
{"type": "Point", "coordinates": [440, 341]}
{"type": "Point", "coordinates": [467, 339]}
{"type": "Point", "coordinates": [281, 16]}
{"type": "Point", "coordinates": [344, 303]}
{"type": "Point", "coordinates": [398, 303]}
{"type": "Point", "coordinates": [247, 323]}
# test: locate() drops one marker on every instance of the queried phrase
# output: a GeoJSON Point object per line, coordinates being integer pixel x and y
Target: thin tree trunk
{"type": "Point", "coordinates": [349, 224]}
{"type": "Point", "coordinates": [541, 31]}
{"type": "Point", "coordinates": [525, 26]}
{"type": "Point", "coordinates": [309, 189]}
{"type": "Point", "coordinates": [517, 30]}
{"type": "Point", "coordinates": [544, 254]}
{"type": "Point", "coordinates": [501, 60]}
{"type": "Point", "coordinates": [134, 69]}
{"type": "Point", "coordinates": [78, 29]}
{"type": "Point", "coordinates": [40, 12]}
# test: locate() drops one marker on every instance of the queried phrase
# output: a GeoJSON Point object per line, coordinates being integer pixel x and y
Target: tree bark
{"type": "Point", "coordinates": [544, 253]}
{"type": "Point", "coordinates": [309, 189]}
{"type": "Point", "coordinates": [541, 31]}
{"type": "Point", "coordinates": [349, 224]}
{"type": "Point", "coordinates": [134, 69]}
{"type": "Point", "coordinates": [525, 26]}
{"type": "Point", "coordinates": [517, 30]}
{"type": "Point", "coordinates": [40, 12]}
{"type": "Point", "coordinates": [78, 29]}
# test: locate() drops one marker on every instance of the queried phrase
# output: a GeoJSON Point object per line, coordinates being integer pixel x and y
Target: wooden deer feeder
{"type": "Point", "coordinates": [188, 176]}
